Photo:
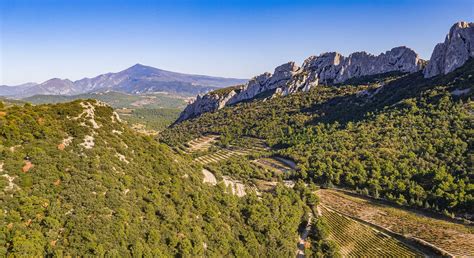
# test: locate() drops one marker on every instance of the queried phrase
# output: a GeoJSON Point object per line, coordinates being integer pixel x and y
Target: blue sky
{"type": "Point", "coordinates": [41, 39]}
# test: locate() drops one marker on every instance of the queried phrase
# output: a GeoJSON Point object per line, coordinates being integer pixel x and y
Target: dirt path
{"type": "Point", "coordinates": [304, 236]}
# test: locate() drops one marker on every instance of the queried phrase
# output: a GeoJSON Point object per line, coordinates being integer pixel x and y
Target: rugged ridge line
{"type": "Point", "coordinates": [327, 68]}
{"type": "Point", "coordinates": [333, 68]}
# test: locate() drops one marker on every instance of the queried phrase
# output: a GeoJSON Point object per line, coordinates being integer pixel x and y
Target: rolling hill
{"type": "Point", "coordinates": [75, 180]}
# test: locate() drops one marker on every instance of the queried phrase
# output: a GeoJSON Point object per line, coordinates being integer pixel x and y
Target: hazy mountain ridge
{"type": "Point", "coordinates": [136, 79]}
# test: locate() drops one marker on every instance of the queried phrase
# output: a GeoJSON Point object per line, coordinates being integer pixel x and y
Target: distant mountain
{"type": "Point", "coordinates": [136, 80]}
{"type": "Point", "coordinates": [9, 91]}
{"type": "Point", "coordinates": [53, 86]}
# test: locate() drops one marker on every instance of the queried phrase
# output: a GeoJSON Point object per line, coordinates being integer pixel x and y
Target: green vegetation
{"type": "Point", "coordinates": [116, 100]}
{"type": "Point", "coordinates": [226, 90]}
{"type": "Point", "coordinates": [451, 236]}
{"type": "Point", "coordinates": [409, 142]}
{"type": "Point", "coordinates": [357, 240]}
{"type": "Point", "coordinates": [153, 111]}
{"type": "Point", "coordinates": [10, 102]}
{"type": "Point", "coordinates": [78, 183]}
{"type": "Point", "coordinates": [154, 119]}
{"type": "Point", "coordinates": [241, 168]}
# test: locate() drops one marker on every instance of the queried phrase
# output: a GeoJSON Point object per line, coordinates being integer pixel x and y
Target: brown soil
{"type": "Point", "coordinates": [28, 165]}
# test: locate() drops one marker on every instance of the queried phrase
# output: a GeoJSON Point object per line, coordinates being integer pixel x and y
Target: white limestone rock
{"type": "Point", "coordinates": [209, 102]}
{"type": "Point", "coordinates": [334, 68]}
{"type": "Point", "coordinates": [457, 48]}
{"type": "Point", "coordinates": [327, 68]}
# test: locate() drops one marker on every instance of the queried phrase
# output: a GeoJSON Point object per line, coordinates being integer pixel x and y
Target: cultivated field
{"type": "Point", "coordinates": [220, 155]}
{"type": "Point", "coordinates": [248, 146]}
{"type": "Point", "coordinates": [201, 144]}
{"type": "Point", "coordinates": [452, 237]}
{"type": "Point", "coordinates": [274, 165]}
{"type": "Point", "coordinates": [358, 240]}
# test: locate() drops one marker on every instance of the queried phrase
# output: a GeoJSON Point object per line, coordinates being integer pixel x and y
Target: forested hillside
{"type": "Point", "coordinates": [400, 137]}
{"type": "Point", "coordinates": [75, 180]}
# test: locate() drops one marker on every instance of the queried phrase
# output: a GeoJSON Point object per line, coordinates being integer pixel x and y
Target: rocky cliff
{"type": "Point", "coordinates": [333, 68]}
{"type": "Point", "coordinates": [327, 68]}
{"type": "Point", "coordinates": [456, 49]}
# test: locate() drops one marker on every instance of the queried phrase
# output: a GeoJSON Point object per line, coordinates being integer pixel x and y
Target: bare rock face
{"type": "Point", "coordinates": [327, 68]}
{"type": "Point", "coordinates": [457, 48]}
{"type": "Point", "coordinates": [334, 68]}
{"type": "Point", "coordinates": [266, 82]}
{"type": "Point", "coordinates": [207, 103]}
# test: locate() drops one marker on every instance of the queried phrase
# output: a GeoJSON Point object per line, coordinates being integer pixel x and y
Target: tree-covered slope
{"type": "Point", "coordinates": [401, 137]}
{"type": "Point", "coordinates": [76, 181]}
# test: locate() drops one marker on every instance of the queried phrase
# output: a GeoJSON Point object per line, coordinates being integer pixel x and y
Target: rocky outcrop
{"type": "Point", "coordinates": [327, 68]}
{"type": "Point", "coordinates": [334, 68]}
{"type": "Point", "coordinates": [457, 48]}
{"type": "Point", "coordinates": [207, 103]}
{"type": "Point", "coordinates": [266, 82]}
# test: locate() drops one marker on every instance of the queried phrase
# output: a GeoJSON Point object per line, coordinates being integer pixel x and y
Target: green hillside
{"type": "Point", "coordinates": [154, 112]}
{"type": "Point", "coordinates": [400, 137]}
{"type": "Point", "coordinates": [116, 99]}
{"type": "Point", "coordinates": [76, 181]}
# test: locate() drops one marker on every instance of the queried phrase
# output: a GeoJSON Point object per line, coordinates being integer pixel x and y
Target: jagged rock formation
{"type": "Point", "coordinates": [327, 68]}
{"type": "Point", "coordinates": [457, 48]}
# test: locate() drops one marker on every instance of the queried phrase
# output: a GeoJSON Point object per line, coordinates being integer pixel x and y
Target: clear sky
{"type": "Point", "coordinates": [42, 39]}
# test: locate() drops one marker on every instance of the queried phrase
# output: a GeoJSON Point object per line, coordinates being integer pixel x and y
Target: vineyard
{"type": "Point", "coordinates": [357, 240]}
{"type": "Point", "coordinates": [246, 147]}
{"type": "Point", "coordinates": [455, 238]}
{"type": "Point", "coordinates": [220, 155]}
{"type": "Point", "coordinates": [201, 144]}
{"type": "Point", "coordinates": [273, 164]}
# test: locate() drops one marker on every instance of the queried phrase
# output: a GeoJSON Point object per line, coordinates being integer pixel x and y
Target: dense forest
{"type": "Point", "coordinates": [77, 181]}
{"type": "Point", "coordinates": [399, 137]}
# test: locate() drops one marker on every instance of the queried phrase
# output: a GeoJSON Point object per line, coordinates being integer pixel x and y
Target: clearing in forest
{"type": "Point", "coordinates": [358, 240]}
{"type": "Point", "coordinates": [220, 155]}
{"type": "Point", "coordinates": [245, 147]}
{"type": "Point", "coordinates": [455, 238]}
{"type": "Point", "coordinates": [201, 144]}
{"type": "Point", "coordinates": [274, 165]}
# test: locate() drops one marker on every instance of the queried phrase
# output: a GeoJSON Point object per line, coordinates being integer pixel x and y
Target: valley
{"type": "Point", "coordinates": [148, 113]}
{"type": "Point", "coordinates": [358, 155]}
{"type": "Point", "coordinates": [357, 225]}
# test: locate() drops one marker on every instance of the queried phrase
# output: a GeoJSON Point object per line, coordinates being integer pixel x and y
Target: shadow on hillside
{"type": "Point", "coordinates": [353, 108]}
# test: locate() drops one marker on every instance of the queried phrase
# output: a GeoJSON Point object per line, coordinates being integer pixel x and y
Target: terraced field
{"type": "Point", "coordinates": [221, 155]}
{"type": "Point", "coordinates": [201, 144]}
{"type": "Point", "coordinates": [205, 142]}
{"type": "Point", "coordinates": [358, 240]}
{"type": "Point", "coordinates": [454, 238]}
{"type": "Point", "coordinates": [274, 165]}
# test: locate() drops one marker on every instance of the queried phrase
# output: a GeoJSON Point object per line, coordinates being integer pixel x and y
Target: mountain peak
{"type": "Point", "coordinates": [139, 66]}
{"type": "Point", "coordinates": [57, 80]}
{"type": "Point", "coordinates": [456, 49]}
